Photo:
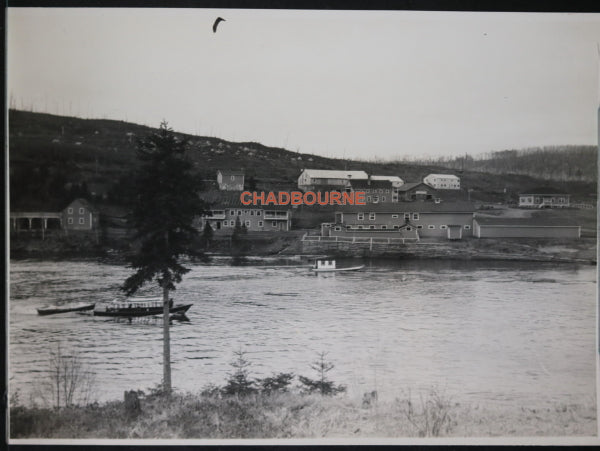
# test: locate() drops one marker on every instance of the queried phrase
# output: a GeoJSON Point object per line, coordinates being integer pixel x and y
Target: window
{"type": "Point", "coordinates": [260, 223]}
{"type": "Point", "coordinates": [274, 223]}
{"type": "Point", "coordinates": [396, 227]}
{"type": "Point", "coordinates": [443, 227]}
{"type": "Point", "coordinates": [81, 221]}
{"type": "Point", "coordinates": [251, 212]}
{"type": "Point", "coordinates": [371, 227]}
{"type": "Point", "coordinates": [416, 216]}
{"type": "Point", "coordinates": [360, 216]}
{"type": "Point", "coordinates": [384, 227]}
{"type": "Point", "coordinates": [431, 226]}
{"type": "Point", "coordinates": [70, 221]}
{"type": "Point", "coordinates": [81, 210]}
{"type": "Point", "coordinates": [360, 227]}
{"type": "Point", "coordinates": [239, 212]}
{"type": "Point", "coordinates": [375, 199]}
{"type": "Point", "coordinates": [406, 215]}
{"type": "Point", "coordinates": [467, 227]}
{"type": "Point", "coordinates": [338, 228]}
{"type": "Point", "coordinates": [247, 223]}
{"type": "Point", "coordinates": [419, 227]}
{"type": "Point", "coordinates": [382, 198]}
{"type": "Point", "coordinates": [258, 212]}
{"type": "Point", "coordinates": [368, 198]}
{"type": "Point", "coordinates": [371, 216]}
{"type": "Point", "coordinates": [232, 212]}
{"type": "Point", "coordinates": [394, 216]}
{"type": "Point", "coordinates": [70, 211]}
{"type": "Point", "coordinates": [409, 228]}
{"type": "Point", "coordinates": [380, 191]}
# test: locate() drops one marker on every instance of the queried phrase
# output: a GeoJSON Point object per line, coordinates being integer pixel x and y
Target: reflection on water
{"type": "Point", "coordinates": [501, 332]}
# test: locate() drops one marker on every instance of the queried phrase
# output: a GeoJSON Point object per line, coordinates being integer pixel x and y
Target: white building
{"type": "Point", "coordinates": [396, 181]}
{"type": "Point", "coordinates": [315, 179]}
{"type": "Point", "coordinates": [442, 181]}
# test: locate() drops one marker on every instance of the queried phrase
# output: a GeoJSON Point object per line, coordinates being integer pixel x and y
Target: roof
{"type": "Point", "coordinates": [543, 190]}
{"type": "Point", "coordinates": [409, 186]}
{"type": "Point", "coordinates": [365, 184]}
{"type": "Point", "coordinates": [226, 172]}
{"type": "Point", "coordinates": [417, 207]}
{"type": "Point", "coordinates": [443, 175]}
{"type": "Point", "coordinates": [231, 199]}
{"type": "Point", "coordinates": [391, 178]}
{"type": "Point", "coordinates": [533, 221]}
{"type": "Point", "coordinates": [87, 204]}
{"type": "Point", "coordinates": [333, 174]}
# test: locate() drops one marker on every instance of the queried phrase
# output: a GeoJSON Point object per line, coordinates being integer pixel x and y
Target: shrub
{"type": "Point", "coordinates": [277, 383]}
{"type": "Point", "coordinates": [321, 385]}
{"type": "Point", "coordinates": [239, 383]}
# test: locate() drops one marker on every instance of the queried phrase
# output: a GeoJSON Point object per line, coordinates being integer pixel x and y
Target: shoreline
{"type": "Point", "coordinates": [582, 251]}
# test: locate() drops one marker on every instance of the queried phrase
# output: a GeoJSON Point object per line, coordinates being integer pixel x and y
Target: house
{"type": "Point", "coordinates": [545, 197]}
{"type": "Point", "coordinates": [442, 181]}
{"type": "Point", "coordinates": [497, 227]}
{"type": "Point", "coordinates": [230, 180]}
{"type": "Point", "coordinates": [447, 220]}
{"type": "Point", "coordinates": [80, 215]}
{"type": "Point", "coordinates": [226, 209]}
{"type": "Point", "coordinates": [416, 191]}
{"type": "Point", "coordinates": [375, 190]}
{"type": "Point", "coordinates": [324, 179]}
{"type": "Point", "coordinates": [396, 181]}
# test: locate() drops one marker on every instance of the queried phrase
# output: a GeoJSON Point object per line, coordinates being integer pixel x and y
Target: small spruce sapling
{"type": "Point", "coordinates": [321, 385]}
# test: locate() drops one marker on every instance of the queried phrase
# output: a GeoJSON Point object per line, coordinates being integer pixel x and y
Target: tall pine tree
{"type": "Point", "coordinates": [167, 202]}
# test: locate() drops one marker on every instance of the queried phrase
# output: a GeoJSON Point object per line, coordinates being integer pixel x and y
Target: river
{"type": "Point", "coordinates": [482, 332]}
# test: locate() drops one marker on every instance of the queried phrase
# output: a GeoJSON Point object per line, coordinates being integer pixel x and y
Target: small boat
{"type": "Point", "coordinates": [135, 307]}
{"type": "Point", "coordinates": [330, 266]}
{"type": "Point", "coordinates": [52, 310]}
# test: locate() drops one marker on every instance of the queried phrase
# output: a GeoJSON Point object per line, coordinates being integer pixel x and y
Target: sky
{"type": "Point", "coordinates": [344, 84]}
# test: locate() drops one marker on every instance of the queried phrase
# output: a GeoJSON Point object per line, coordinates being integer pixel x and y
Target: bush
{"type": "Point", "coordinates": [321, 385]}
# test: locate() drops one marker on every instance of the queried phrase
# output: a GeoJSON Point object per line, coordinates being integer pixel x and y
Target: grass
{"type": "Point", "coordinates": [293, 415]}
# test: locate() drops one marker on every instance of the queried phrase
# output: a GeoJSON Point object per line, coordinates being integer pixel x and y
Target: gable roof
{"type": "Point", "coordinates": [226, 172]}
{"type": "Point", "coordinates": [391, 178]}
{"type": "Point", "coordinates": [334, 174]}
{"type": "Point", "coordinates": [371, 184]}
{"type": "Point", "coordinates": [532, 221]}
{"type": "Point", "coordinates": [409, 186]}
{"type": "Point", "coordinates": [85, 203]}
{"type": "Point", "coordinates": [543, 190]}
{"type": "Point", "coordinates": [231, 199]}
{"type": "Point", "coordinates": [443, 175]}
{"type": "Point", "coordinates": [417, 207]}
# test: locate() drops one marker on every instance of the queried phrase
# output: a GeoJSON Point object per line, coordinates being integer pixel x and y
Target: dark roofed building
{"type": "Point", "coordinates": [416, 191]}
{"type": "Point", "coordinates": [230, 180]}
{"type": "Point", "coordinates": [376, 191]}
{"type": "Point", "coordinates": [447, 220]}
{"type": "Point", "coordinates": [226, 208]}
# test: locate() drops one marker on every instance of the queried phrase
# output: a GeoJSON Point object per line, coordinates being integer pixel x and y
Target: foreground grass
{"type": "Point", "coordinates": [290, 415]}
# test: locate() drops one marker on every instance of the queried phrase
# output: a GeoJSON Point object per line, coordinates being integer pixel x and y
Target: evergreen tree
{"type": "Point", "coordinates": [165, 206]}
{"type": "Point", "coordinates": [207, 234]}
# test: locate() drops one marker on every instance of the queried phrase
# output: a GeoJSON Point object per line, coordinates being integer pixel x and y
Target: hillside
{"type": "Point", "coordinates": [55, 158]}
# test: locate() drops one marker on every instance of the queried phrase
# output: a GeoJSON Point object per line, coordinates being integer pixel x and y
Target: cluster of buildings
{"type": "Point", "coordinates": [394, 209]}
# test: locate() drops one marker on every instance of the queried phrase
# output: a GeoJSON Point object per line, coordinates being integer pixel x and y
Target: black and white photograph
{"type": "Point", "coordinates": [253, 226]}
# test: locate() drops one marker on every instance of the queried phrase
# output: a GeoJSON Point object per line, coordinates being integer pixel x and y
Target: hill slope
{"type": "Point", "coordinates": [55, 158]}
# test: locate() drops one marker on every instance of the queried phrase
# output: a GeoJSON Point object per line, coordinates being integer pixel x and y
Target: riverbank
{"type": "Point", "coordinates": [292, 415]}
{"type": "Point", "coordinates": [509, 249]}
{"type": "Point", "coordinates": [290, 243]}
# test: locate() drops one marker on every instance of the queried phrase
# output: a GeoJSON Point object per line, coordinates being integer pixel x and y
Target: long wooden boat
{"type": "Point", "coordinates": [330, 266]}
{"type": "Point", "coordinates": [52, 310]}
{"type": "Point", "coordinates": [139, 307]}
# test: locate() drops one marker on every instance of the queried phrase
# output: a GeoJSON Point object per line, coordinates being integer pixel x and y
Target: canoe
{"type": "Point", "coordinates": [133, 310]}
{"type": "Point", "coordinates": [51, 310]}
